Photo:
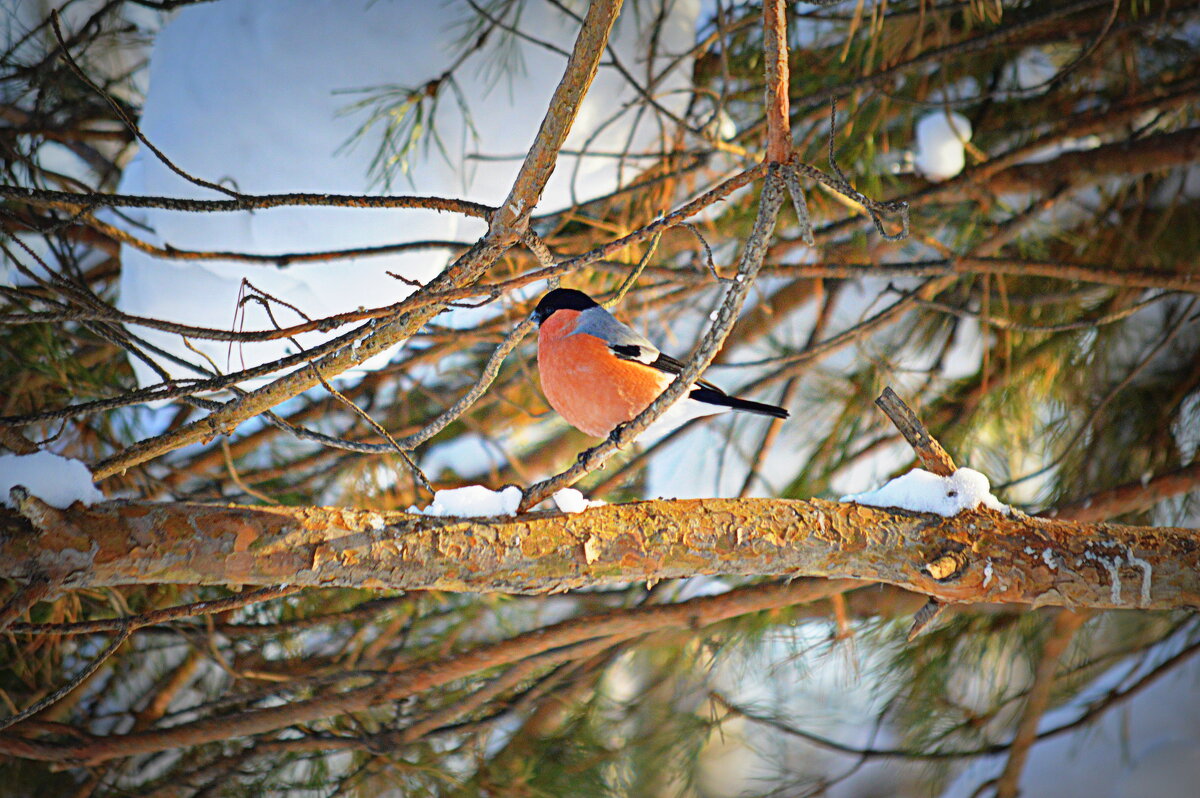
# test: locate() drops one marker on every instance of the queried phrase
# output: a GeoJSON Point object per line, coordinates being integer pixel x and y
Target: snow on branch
{"type": "Point", "coordinates": [976, 556]}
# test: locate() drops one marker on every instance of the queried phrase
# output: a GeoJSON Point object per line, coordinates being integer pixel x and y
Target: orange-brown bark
{"type": "Point", "coordinates": [980, 556]}
{"type": "Point", "coordinates": [775, 52]}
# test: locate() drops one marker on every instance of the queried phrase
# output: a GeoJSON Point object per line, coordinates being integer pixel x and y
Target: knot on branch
{"type": "Point", "coordinates": [62, 548]}
{"type": "Point", "coordinates": [509, 223]}
{"type": "Point", "coordinates": [39, 514]}
{"type": "Point", "coordinates": [947, 566]}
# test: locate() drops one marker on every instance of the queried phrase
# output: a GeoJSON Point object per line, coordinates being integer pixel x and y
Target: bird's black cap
{"type": "Point", "coordinates": [562, 299]}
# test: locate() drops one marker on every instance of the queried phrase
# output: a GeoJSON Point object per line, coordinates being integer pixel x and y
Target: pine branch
{"type": "Point", "coordinates": [995, 558]}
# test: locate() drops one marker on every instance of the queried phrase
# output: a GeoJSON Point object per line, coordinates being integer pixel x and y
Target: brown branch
{"type": "Point", "coordinates": [134, 622]}
{"type": "Point", "coordinates": [982, 42]}
{"type": "Point", "coordinates": [164, 693]}
{"type": "Point", "coordinates": [1130, 497]}
{"type": "Point", "coordinates": [513, 216]}
{"type": "Point", "coordinates": [1120, 159]}
{"type": "Point", "coordinates": [112, 233]}
{"type": "Point", "coordinates": [775, 50]}
{"type": "Point", "coordinates": [928, 450]}
{"type": "Point", "coordinates": [994, 557]}
{"type": "Point", "coordinates": [77, 202]}
{"type": "Point", "coordinates": [1102, 274]}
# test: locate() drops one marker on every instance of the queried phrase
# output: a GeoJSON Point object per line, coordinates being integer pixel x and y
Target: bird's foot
{"type": "Point", "coordinates": [618, 431]}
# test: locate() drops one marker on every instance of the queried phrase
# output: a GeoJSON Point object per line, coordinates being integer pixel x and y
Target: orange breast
{"type": "Point", "coordinates": [586, 383]}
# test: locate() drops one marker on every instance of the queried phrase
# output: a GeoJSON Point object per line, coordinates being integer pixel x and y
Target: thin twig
{"type": "Point", "coordinates": [135, 622]}
{"type": "Point", "coordinates": [926, 447]}
{"type": "Point", "coordinates": [23, 599]}
{"type": "Point", "coordinates": [122, 635]}
{"type": "Point", "coordinates": [129, 123]}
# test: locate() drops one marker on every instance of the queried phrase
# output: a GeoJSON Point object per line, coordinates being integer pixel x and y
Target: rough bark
{"type": "Point", "coordinates": [979, 556]}
{"type": "Point", "coordinates": [775, 53]}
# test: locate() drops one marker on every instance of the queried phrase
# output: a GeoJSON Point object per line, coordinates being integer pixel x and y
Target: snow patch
{"type": "Point", "coordinates": [1112, 564]}
{"type": "Point", "coordinates": [1115, 573]}
{"type": "Point", "coordinates": [1147, 570]}
{"type": "Point", "coordinates": [569, 500]}
{"type": "Point", "coordinates": [924, 492]}
{"type": "Point", "coordinates": [987, 573]}
{"type": "Point", "coordinates": [940, 139]}
{"type": "Point", "coordinates": [473, 501]}
{"type": "Point", "coordinates": [58, 481]}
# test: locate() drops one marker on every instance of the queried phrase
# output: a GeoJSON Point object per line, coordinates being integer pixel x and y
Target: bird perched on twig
{"type": "Point", "coordinates": [598, 373]}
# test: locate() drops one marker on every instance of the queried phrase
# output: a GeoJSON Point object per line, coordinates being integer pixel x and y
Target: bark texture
{"type": "Point", "coordinates": [978, 556]}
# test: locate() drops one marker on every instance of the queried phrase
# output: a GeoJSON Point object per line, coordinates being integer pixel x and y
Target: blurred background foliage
{"type": "Point", "coordinates": [1042, 316]}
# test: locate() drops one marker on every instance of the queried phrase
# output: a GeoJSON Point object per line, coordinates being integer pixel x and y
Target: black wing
{"type": "Point", "coordinates": [664, 363]}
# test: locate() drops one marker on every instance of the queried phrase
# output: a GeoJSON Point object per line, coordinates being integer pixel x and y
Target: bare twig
{"type": "Point", "coordinates": [930, 452]}
{"type": "Point", "coordinates": [135, 622]}
{"type": "Point", "coordinates": [52, 699]}
{"type": "Point", "coordinates": [775, 50]}
{"type": "Point", "coordinates": [24, 598]}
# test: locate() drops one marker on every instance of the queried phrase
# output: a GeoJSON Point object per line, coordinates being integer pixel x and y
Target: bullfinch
{"type": "Point", "coordinates": [598, 373]}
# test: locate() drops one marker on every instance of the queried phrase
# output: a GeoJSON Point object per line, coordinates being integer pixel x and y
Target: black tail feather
{"type": "Point", "coordinates": [715, 397]}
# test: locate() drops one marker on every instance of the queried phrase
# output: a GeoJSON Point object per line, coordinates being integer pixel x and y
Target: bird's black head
{"type": "Point", "coordinates": [561, 299]}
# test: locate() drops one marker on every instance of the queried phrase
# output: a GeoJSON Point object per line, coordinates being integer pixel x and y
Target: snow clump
{"type": "Point", "coordinates": [473, 501]}
{"type": "Point", "coordinates": [940, 140]}
{"type": "Point", "coordinates": [569, 500]}
{"type": "Point", "coordinates": [923, 492]}
{"type": "Point", "coordinates": [58, 481]}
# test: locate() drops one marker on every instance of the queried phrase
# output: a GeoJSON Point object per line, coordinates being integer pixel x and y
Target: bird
{"type": "Point", "coordinates": [598, 373]}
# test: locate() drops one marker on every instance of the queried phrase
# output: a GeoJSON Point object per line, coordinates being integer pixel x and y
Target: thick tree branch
{"type": "Point", "coordinates": [1157, 153]}
{"type": "Point", "coordinates": [997, 558]}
